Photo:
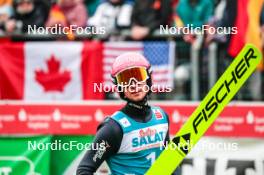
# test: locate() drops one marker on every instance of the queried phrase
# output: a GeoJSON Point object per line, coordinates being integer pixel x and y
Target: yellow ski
{"type": "Point", "coordinates": [208, 110]}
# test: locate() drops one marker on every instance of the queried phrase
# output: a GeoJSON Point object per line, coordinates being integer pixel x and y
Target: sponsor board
{"type": "Point", "coordinates": [238, 119]}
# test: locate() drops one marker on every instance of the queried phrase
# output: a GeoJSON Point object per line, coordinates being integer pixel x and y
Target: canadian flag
{"type": "Point", "coordinates": [50, 70]}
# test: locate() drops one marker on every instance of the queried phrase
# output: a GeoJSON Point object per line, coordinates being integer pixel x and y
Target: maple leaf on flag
{"type": "Point", "coordinates": [53, 79]}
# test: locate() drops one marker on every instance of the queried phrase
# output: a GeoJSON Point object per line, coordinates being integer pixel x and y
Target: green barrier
{"type": "Point", "coordinates": [16, 158]}
{"type": "Point", "coordinates": [65, 161]}
{"type": "Point", "coordinates": [41, 155]}
{"type": "Point", "coordinates": [208, 110]}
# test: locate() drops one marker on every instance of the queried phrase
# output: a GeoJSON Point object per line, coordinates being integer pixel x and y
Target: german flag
{"type": "Point", "coordinates": [248, 26]}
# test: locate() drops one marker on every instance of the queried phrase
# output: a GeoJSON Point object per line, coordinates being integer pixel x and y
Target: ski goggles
{"type": "Point", "coordinates": [139, 74]}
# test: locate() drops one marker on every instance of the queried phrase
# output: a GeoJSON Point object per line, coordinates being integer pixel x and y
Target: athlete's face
{"type": "Point", "coordinates": [136, 91]}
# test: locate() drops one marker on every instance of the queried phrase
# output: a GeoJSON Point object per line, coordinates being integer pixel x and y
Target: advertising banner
{"type": "Point", "coordinates": [237, 119]}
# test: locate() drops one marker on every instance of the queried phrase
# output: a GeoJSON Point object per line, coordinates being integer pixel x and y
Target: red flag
{"type": "Point", "coordinates": [248, 25]}
{"type": "Point", "coordinates": [92, 69]}
{"type": "Point", "coordinates": [50, 70]}
{"type": "Point", "coordinates": [11, 70]}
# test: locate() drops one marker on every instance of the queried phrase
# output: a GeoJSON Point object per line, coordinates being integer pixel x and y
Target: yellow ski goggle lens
{"type": "Point", "coordinates": [138, 73]}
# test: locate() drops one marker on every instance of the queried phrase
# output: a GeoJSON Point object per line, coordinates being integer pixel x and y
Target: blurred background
{"type": "Point", "coordinates": [55, 85]}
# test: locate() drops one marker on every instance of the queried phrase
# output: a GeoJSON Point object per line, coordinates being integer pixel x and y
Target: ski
{"type": "Point", "coordinates": [208, 110]}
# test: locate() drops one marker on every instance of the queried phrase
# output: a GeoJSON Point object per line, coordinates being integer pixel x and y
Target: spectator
{"type": "Point", "coordinates": [195, 13]}
{"type": "Point", "coordinates": [112, 15]}
{"type": "Point", "coordinates": [91, 6]}
{"type": "Point", "coordinates": [27, 13]}
{"type": "Point", "coordinates": [227, 19]}
{"type": "Point", "coordinates": [6, 12]}
{"type": "Point", "coordinates": [148, 15]}
{"type": "Point", "coordinates": [74, 11]}
{"type": "Point", "coordinates": [68, 13]}
{"type": "Point", "coordinates": [220, 12]}
{"type": "Point", "coordinates": [56, 17]}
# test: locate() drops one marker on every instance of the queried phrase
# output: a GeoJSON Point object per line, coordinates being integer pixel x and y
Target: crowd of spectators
{"type": "Point", "coordinates": [142, 17]}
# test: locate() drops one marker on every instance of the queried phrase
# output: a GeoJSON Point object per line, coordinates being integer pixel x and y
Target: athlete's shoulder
{"type": "Point", "coordinates": [109, 122]}
{"type": "Point", "coordinates": [117, 115]}
{"type": "Point", "coordinates": [122, 119]}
